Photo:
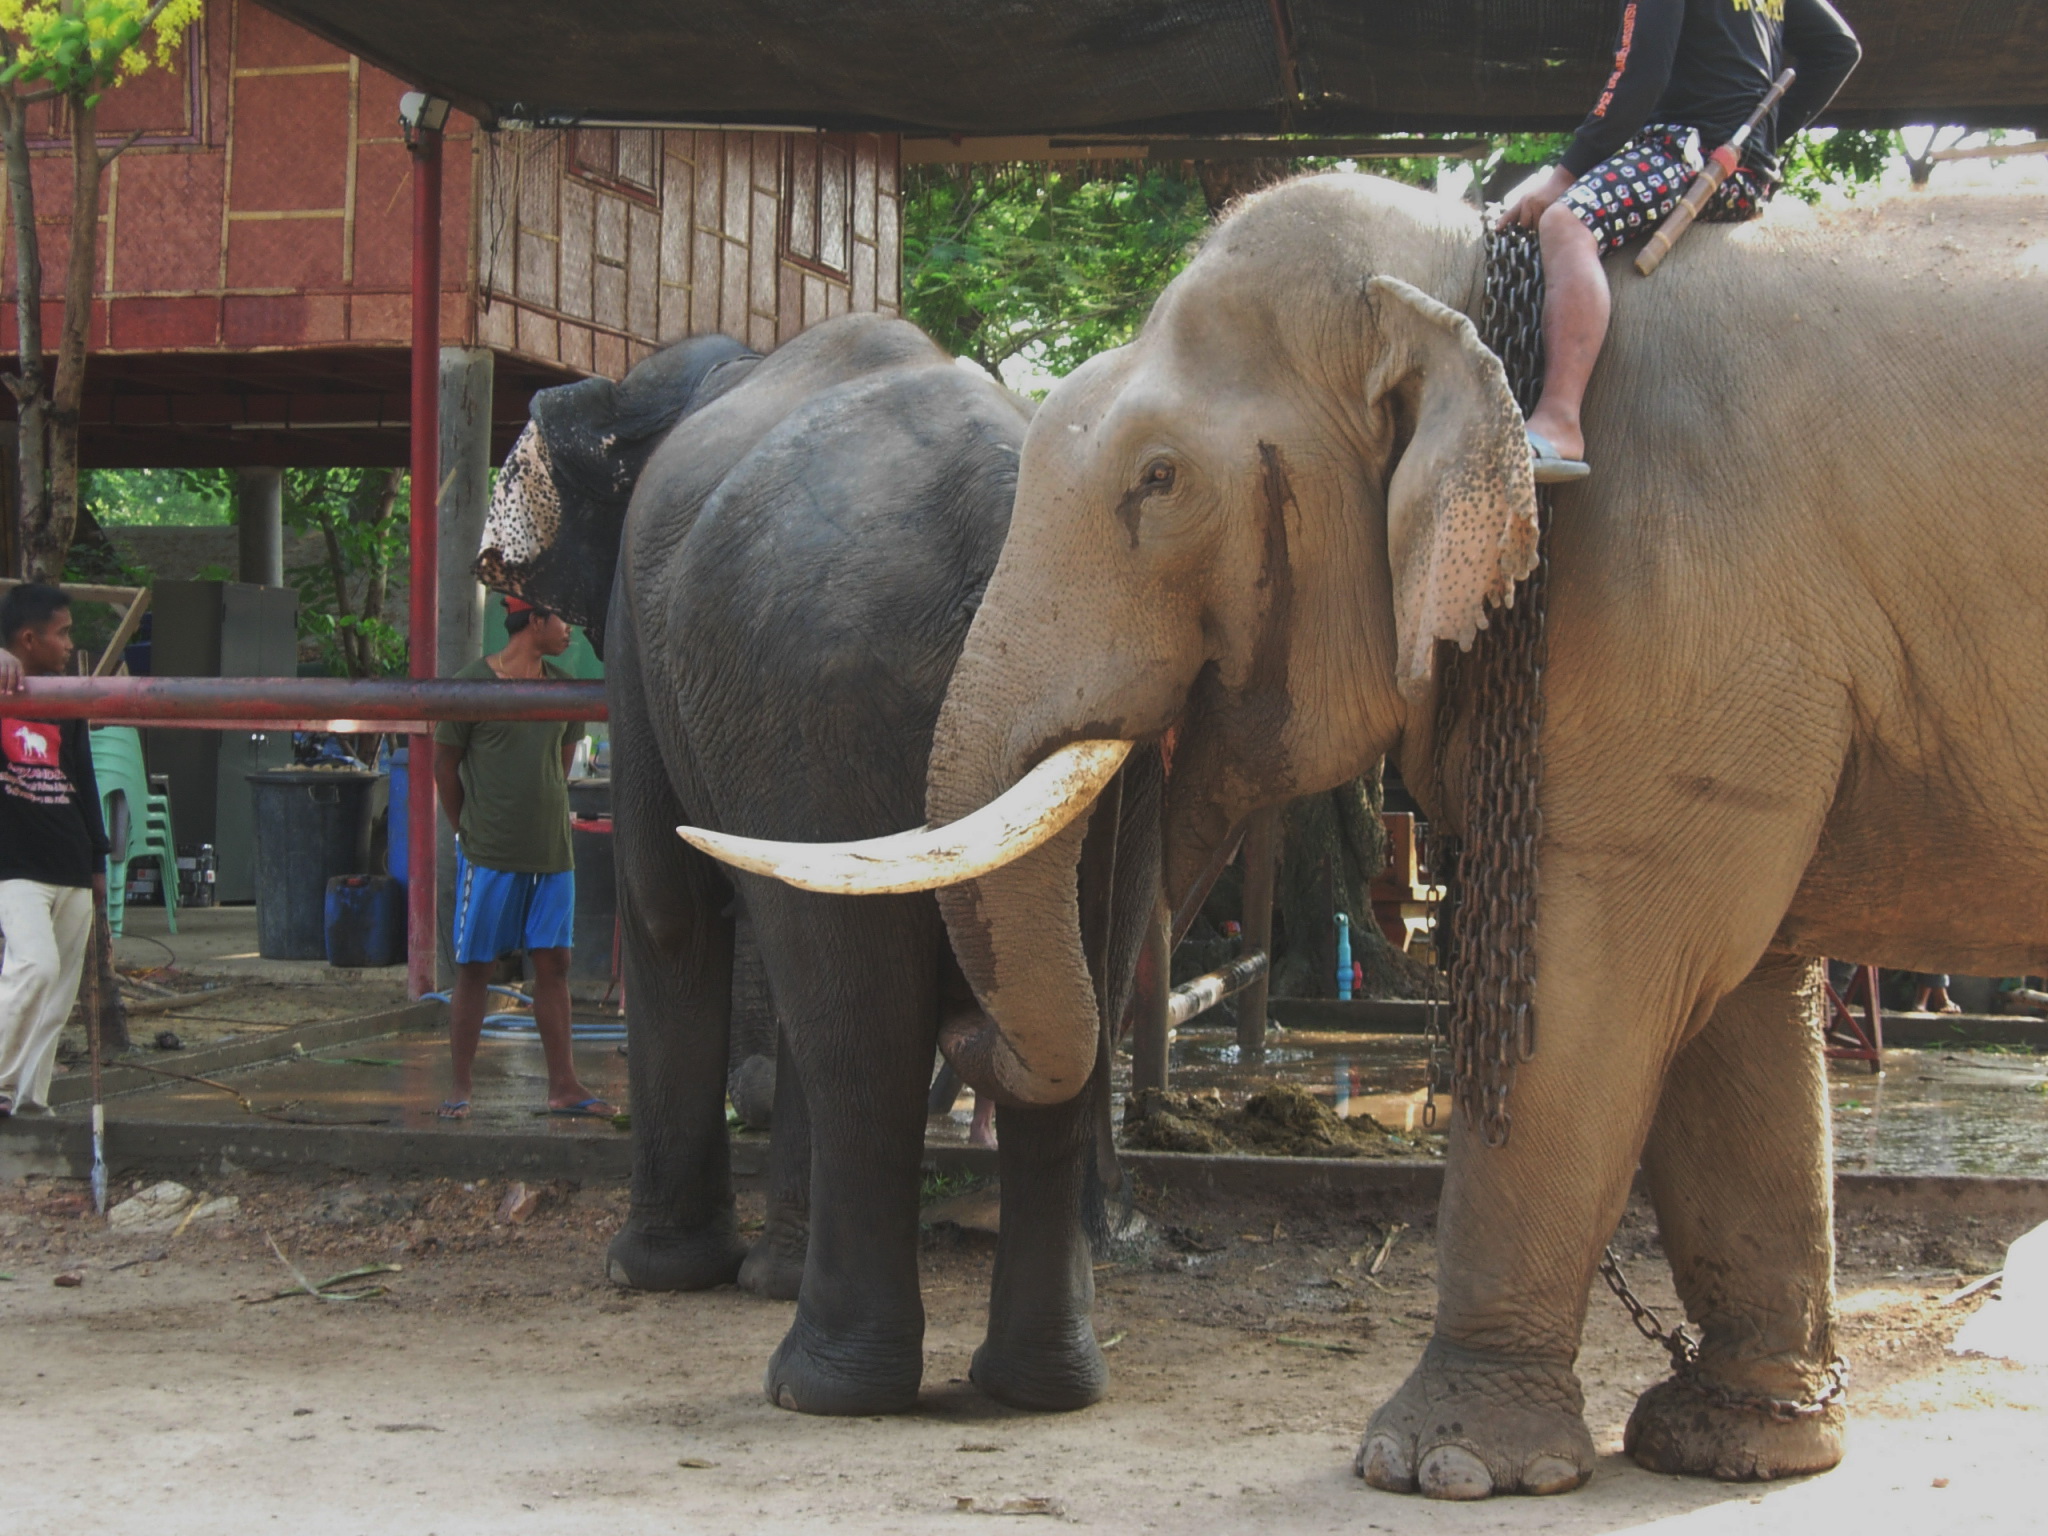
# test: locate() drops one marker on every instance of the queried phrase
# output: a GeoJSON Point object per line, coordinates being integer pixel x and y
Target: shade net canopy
{"type": "Point", "coordinates": [1126, 66]}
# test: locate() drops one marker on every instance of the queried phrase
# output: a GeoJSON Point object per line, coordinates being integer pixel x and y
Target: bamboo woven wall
{"type": "Point", "coordinates": [267, 205]}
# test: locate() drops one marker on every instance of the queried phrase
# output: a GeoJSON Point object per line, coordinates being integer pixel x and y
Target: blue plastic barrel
{"type": "Point", "coordinates": [399, 817]}
{"type": "Point", "coordinates": [365, 921]}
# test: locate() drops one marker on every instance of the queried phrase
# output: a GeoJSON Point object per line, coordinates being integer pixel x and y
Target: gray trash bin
{"type": "Point", "coordinates": [311, 825]}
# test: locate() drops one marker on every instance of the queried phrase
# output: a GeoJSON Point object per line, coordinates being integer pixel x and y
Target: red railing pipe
{"type": "Point", "coordinates": [424, 642]}
{"type": "Point", "coordinates": [333, 701]}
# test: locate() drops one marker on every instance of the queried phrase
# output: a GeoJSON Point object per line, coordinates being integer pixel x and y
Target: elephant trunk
{"type": "Point", "coordinates": [1016, 930]}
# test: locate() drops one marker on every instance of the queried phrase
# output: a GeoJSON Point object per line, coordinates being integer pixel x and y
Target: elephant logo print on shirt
{"type": "Point", "coordinates": [30, 768]}
{"type": "Point", "coordinates": [29, 743]}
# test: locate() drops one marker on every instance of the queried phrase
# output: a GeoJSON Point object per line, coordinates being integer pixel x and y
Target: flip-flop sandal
{"type": "Point", "coordinates": [587, 1110]}
{"type": "Point", "coordinates": [1950, 1008]}
{"type": "Point", "coordinates": [1551, 467]}
{"type": "Point", "coordinates": [453, 1109]}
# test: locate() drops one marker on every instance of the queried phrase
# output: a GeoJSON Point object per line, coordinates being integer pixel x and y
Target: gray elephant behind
{"type": "Point", "coordinates": [780, 558]}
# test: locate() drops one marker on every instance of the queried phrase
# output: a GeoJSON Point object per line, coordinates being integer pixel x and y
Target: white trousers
{"type": "Point", "coordinates": [46, 928]}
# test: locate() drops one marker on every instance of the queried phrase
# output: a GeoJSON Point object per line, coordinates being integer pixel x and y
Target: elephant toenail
{"type": "Point", "coordinates": [1382, 1463]}
{"type": "Point", "coordinates": [1551, 1474]}
{"type": "Point", "coordinates": [1452, 1472]}
{"type": "Point", "coordinates": [784, 1398]}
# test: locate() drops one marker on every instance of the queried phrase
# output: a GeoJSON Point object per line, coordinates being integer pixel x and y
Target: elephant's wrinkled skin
{"type": "Point", "coordinates": [1797, 706]}
{"type": "Point", "coordinates": [800, 560]}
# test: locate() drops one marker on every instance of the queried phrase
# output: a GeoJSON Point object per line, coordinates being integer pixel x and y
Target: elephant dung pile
{"type": "Point", "coordinates": [1276, 1120]}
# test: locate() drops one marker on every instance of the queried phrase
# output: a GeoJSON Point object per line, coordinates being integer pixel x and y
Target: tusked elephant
{"type": "Point", "coordinates": [800, 544]}
{"type": "Point", "coordinates": [1796, 706]}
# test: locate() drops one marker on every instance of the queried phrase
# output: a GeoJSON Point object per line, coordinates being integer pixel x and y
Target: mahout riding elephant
{"type": "Point", "coordinates": [1796, 706]}
{"type": "Point", "coordinates": [801, 542]}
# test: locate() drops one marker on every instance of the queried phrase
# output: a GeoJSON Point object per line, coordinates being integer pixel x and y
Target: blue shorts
{"type": "Point", "coordinates": [498, 911]}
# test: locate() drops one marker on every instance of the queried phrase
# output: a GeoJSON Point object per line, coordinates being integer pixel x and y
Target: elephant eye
{"type": "Point", "coordinates": [1158, 475]}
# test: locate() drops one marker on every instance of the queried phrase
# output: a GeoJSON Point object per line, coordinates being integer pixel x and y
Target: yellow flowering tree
{"type": "Point", "coordinates": [71, 51]}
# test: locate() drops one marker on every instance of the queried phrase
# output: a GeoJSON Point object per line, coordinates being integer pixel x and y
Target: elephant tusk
{"type": "Point", "coordinates": [1027, 814]}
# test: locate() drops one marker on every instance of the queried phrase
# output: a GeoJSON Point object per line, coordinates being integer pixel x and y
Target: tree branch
{"type": "Point", "coordinates": [121, 148]}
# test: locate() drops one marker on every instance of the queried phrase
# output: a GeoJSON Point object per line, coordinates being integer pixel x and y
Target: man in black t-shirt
{"type": "Point", "coordinates": [1687, 74]}
{"type": "Point", "coordinates": [53, 850]}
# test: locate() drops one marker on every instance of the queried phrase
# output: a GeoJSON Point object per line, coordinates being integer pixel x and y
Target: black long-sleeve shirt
{"type": "Point", "coordinates": [1705, 64]}
{"type": "Point", "coordinates": [50, 825]}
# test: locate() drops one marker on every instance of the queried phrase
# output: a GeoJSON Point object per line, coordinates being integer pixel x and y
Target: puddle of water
{"type": "Point", "coordinates": [1942, 1112]}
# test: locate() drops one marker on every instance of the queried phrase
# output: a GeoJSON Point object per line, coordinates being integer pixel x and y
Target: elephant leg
{"type": "Point", "coordinates": [775, 1264]}
{"type": "Point", "coordinates": [1739, 1167]}
{"type": "Point", "coordinates": [682, 1232]}
{"type": "Point", "coordinates": [856, 988]}
{"type": "Point", "coordinates": [1494, 1406]}
{"type": "Point", "coordinates": [1040, 1351]}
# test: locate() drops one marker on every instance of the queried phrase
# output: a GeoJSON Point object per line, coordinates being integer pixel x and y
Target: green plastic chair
{"type": "Point", "coordinates": [138, 821]}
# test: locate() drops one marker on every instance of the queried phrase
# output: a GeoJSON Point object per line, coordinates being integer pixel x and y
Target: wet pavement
{"type": "Point", "coordinates": [1933, 1111]}
{"type": "Point", "coordinates": [1943, 1111]}
{"type": "Point", "coordinates": [397, 1081]}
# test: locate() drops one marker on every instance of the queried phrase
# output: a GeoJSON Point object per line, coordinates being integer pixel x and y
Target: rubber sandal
{"type": "Point", "coordinates": [587, 1110]}
{"type": "Point", "coordinates": [1551, 467]}
{"type": "Point", "coordinates": [453, 1109]}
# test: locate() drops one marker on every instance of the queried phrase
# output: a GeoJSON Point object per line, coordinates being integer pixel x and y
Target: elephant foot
{"type": "Point", "coordinates": [641, 1259]}
{"type": "Point", "coordinates": [1677, 1430]}
{"type": "Point", "coordinates": [774, 1268]}
{"type": "Point", "coordinates": [1049, 1377]}
{"type": "Point", "coordinates": [1469, 1426]}
{"type": "Point", "coordinates": [812, 1373]}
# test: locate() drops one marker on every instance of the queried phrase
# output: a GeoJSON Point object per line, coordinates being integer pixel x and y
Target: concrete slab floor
{"type": "Point", "coordinates": [1932, 1111]}
{"type": "Point", "coordinates": [219, 943]}
{"type": "Point", "coordinates": [393, 1080]}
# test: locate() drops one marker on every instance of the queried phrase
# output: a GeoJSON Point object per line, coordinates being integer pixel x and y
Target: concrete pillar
{"type": "Point", "coordinates": [464, 500]}
{"type": "Point", "coordinates": [259, 526]}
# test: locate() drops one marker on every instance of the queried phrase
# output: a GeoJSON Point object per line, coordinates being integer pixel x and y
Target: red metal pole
{"type": "Point", "coordinates": [356, 704]}
{"type": "Point", "coordinates": [426, 558]}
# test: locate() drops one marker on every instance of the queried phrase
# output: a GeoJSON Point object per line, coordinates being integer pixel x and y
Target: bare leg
{"type": "Point", "coordinates": [982, 1131]}
{"type": "Point", "coordinates": [551, 1020]}
{"type": "Point", "coordinates": [466, 1025]}
{"type": "Point", "coordinates": [1575, 308]}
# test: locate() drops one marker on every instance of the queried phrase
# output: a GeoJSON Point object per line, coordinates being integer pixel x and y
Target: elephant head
{"type": "Point", "coordinates": [1237, 540]}
{"type": "Point", "coordinates": [552, 535]}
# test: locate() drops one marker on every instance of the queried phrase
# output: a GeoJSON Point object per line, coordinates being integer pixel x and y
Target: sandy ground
{"type": "Point", "coordinates": [500, 1385]}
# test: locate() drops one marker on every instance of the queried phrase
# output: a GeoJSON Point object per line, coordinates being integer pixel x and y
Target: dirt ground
{"type": "Point", "coordinates": [501, 1385]}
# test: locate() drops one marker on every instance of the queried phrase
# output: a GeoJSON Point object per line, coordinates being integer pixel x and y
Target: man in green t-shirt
{"type": "Point", "coordinates": [504, 785]}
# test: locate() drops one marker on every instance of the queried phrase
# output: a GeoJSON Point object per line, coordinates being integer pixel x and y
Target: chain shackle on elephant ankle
{"type": "Point", "coordinates": [1499, 688]}
{"type": "Point", "coordinates": [1684, 1350]}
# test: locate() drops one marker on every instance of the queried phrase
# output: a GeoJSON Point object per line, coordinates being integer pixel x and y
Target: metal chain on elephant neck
{"type": "Point", "coordinates": [1684, 1350]}
{"type": "Point", "coordinates": [1499, 687]}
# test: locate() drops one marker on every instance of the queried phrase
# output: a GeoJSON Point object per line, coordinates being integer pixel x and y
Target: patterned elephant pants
{"type": "Point", "coordinates": [1628, 194]}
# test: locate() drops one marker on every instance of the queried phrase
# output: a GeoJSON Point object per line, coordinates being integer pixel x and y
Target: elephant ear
{"type": "Point", "coordinates": [1461, 504]}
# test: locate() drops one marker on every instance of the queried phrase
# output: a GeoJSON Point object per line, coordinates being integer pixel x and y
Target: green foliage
{"type": "Point", "coordinates": [156, 498]}
{"type": "Point", "coordinates": [341, 598]}
{"type": "Point", "coordinates": [1042, 264]}
{"type": "Point", "coordinates": [78, 48]}
{"type": "Point", "coordinates": [1847, 159]}
{"type": "Point", "coordinates": [1530, 149]}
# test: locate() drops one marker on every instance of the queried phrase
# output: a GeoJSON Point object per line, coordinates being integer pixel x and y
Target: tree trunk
{"type": "Point", "coordinates": [67, 392]}
{"type": "Point", "coordinates": [30, 393]}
